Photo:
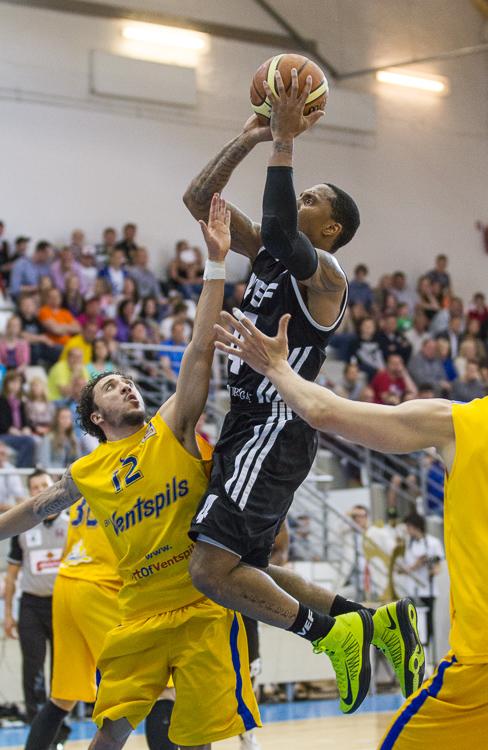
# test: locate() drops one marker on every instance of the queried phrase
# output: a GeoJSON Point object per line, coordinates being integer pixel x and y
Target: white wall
{"type": "Point", "coordinates": [70, 159]}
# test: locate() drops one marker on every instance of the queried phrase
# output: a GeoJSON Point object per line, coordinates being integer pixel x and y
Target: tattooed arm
{"type": "Point", "coordinates": [56, 498]}
{"type": "Point", "coordinates": [245, 234]}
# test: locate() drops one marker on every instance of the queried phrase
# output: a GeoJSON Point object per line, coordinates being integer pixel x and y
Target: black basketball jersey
{"type": "Point", "coordinates": [270, 293]}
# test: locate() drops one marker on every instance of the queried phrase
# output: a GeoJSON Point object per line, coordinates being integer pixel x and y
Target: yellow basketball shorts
{"type": "Point", "coordinates": [204, 647]}
{"type": "Point", "coordinates": [83, 614]}
{"type": "Point", "coordinates": [449, 711]}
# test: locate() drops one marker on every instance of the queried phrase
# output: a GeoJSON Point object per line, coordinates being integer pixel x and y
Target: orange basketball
{"type": "Point", "coordinates": [284, 63]}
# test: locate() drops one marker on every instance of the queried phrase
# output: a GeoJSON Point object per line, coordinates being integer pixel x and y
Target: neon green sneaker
{"type": "Point", "coordinates": [396, 635]}
{"type": "Point", "coordinates": [347, 646]}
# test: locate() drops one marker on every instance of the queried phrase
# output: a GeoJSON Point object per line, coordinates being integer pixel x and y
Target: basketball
{"type": "Point", "coordinates": [317, 98]}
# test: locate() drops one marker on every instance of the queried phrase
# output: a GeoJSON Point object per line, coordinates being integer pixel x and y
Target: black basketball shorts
{"type": "Point", "coordinates": [263, 455]}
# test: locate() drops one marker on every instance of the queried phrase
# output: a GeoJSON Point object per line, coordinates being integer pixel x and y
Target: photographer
{"type": "Point", "coordinates": [423, 556]}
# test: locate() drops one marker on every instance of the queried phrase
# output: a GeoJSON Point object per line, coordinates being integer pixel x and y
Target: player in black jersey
{"type": "Point", "coordinates": [265, 451]}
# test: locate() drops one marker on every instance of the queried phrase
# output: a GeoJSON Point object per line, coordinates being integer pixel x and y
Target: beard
{"type": "Point", "coordinates": [134, 418]}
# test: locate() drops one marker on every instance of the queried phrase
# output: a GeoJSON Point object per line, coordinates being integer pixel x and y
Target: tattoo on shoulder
{"type": "Point", "coordinates": [56, 498]}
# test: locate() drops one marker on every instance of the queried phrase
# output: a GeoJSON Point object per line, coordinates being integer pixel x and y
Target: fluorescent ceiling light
{"type": "Point", "coordinates": [167, 36]}
{"type": "Point", "coordinates": [424, 83]}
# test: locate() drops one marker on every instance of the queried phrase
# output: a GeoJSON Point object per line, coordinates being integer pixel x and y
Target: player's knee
{"type": "Point", "coordinates": [114, 734]}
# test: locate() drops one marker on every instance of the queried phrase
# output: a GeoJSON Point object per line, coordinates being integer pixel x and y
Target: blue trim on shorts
{"type": "Point", "coordinates": [414, 707]}
{"type": "Point", "coordinates": [242, 709]}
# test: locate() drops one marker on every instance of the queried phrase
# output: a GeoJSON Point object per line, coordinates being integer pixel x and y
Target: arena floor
{"type": "Point", "coordinates": [312, 725]}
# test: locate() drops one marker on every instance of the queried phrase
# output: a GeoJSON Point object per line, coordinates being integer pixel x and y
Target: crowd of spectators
{"type": "Point", "coordinates": [64, 314]}
{"type": "Point", "coordinates": [400, 342]}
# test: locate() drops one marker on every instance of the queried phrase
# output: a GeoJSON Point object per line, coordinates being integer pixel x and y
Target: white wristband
{"type": "Point", "coordinates": [214, 270]}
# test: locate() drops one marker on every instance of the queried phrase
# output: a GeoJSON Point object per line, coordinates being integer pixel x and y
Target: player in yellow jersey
{"type": "Point", "coordinates": [143, 483]}
{"type": "Point", "coordinates": [450, 710]}
{"type": "Point", "coordinates": [85, 609]}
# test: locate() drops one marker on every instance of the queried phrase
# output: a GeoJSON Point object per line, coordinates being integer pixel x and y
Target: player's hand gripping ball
{"type": "Point", "coordinates": [317, 98]}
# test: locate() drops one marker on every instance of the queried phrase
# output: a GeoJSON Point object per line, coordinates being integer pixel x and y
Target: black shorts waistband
{"type": "Point", "coordinates": [274, 407]}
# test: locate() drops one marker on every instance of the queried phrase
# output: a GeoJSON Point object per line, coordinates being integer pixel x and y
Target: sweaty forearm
{"type": "Point", "coordinates": [215, 175]}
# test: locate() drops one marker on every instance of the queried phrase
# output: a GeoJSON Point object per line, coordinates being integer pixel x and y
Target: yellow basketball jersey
{"type": "Point", "coordinates": [466, 532]}
{"type": "Point", "coordinates": [144, 491]}
{"type": "Point", "coordinates": [88, 555]}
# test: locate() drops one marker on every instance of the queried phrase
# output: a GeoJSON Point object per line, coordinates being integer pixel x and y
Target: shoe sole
{"type": "Point", "coordinates": [365, 674]}
{"type": "Point", "coordinates": [414, 658]}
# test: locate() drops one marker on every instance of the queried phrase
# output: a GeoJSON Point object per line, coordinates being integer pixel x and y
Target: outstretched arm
{"type": "Point", "coordinates": [245, 234]}
{"type": "Point", "coordinates": [182, 412]}
{"type": "Point", "coordinates": [53, 500]}
{"type": "Point", "coordinates": [411, 426]}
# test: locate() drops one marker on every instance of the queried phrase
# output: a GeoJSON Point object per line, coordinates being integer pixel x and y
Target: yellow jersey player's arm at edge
{"type": "Point", "coordinates": [49, 502]}
{"type": "Point", "coordinates": [411, 426]}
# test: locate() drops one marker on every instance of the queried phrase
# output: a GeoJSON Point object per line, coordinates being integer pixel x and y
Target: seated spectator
{"type": "Point", "coordinates": [146, 281]}
{"type": "Point", "coordinates": [65, 266]}
{"type": "Point", "coordinates": [346, 333]}
{"type": "Point", "coordinates": [393, 384]}
{"type": "Point", "coordinates": [129, 292]}
{"type": "Point", "coordinates": [468, 350]}
{"type": "Point", "coordinates": [42, 350]}
{"type": "Point", "coordinates": [440, 322]}
{"type": "Point", "coordinates": [88, 270]}
{"type": "Point", "coordinates": [404, 318]}
{"type": "Point", "coordinates": [352, 382]}
{"type": "Point", "coordinates": [78, 242]}
{"type": "Point", "coordinates": [428, 367]}
{"type": "Point", "coordinates": [470, 385]}
{"type": "Point", "coordinates": [359, 289]}
{"type": "Point", "coordinates": [171, 358]}
{"type": "Point", "coordinates": [478, 308]}
{"type": "Point", "coordinates": [381, 290]}
{"type": "Point", "coordinates": [109, 335]}
{"type": "Point", "coordinates": [179, 314]}
{"type": "Point", "coordinates": [403, 294]}
{"type": "Point", "coordinates": [114, 272]}
{"type": "Point", "coordinates": [426, 299]}
{"type": "Point", "coordinates": [303, 545]}
{"type": "Point", "coordinates": [14, 429]}
{"type": "Point", "coordinates": [92, 313]}
{"type": "Point", "coordinates": [151, 316]}
{"type": "Point", "coordinates": [103, 291]}
{"type": "Point", "coordinates": [126, 314]}
{"type": "Point", "coordinates": [19, 250]}
{"type": "Point", "coordinates": [86, 442]}
{"type": "Point", "coordinates": [14, 349]}
{"type": "Point", "coordinates": [57, 321]}
{"type": "Point", "coordinates": [12, 490]}
{"type": "Point", "coordinates": [141, 363]}
{"type": "Point", "coordinates": [5, 258]}
{"type": "Point", "coordinates": [473, 333]}
{"type": "Point", "coordinates": [73, 298]}
{"type": "Point", "coordinates": [100, 359]}
{"type": "Point", "coordinates": [45, 285]}
{"type": "Point", "coordinates": [59, 447]}
{"type": "Point", "coordinates": [366, 350]}
{"type": "Point", "coordinates": [185, 271]}
{"type": "Point", "coordinates": [103, 250]}
{"type": "Point", "coordinates": [444, 352]}
{"type": "Point", "coordinates": [27, 272]}
{"type": "Point", "coordinates": [83, 341]}
{"type": "Point", "coordinates": [391, 341]}
{"type": "Point", "coordinates": [39, 411]}
{"type": "Point", "coordinates": [128, 242]}
{"type": "Point", "coordinates": [62, 373]}
{"type": "Point", "coordinates": [439, 274]}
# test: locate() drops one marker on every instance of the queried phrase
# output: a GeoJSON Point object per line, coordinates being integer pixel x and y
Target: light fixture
{"type": "Point", "coordinates": [436, 85]}
{"type": "Point", "coordinates": [164, 36]}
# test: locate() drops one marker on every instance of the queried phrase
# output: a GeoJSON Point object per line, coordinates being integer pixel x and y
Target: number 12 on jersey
{"type": "Point", "coordinates": [119, 477]}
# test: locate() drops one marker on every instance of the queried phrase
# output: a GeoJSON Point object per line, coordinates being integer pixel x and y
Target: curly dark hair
{"type": "Point", "coordinates": [87, 406]}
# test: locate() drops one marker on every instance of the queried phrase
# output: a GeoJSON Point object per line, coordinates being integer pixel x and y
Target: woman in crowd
{"type": "Point", "coordinates": [14, 429]}
{"type": "Point", "coordinates": [39, 411]}
{"type": "Point", "coordinates": [101, 361]}
{"type": "Point", "coordinates": [125, 317]}
{"type": "Point", "coordinates": [14, 350]}
{"type": "Point", "coordinates": [73, 298]}
{"type": "Point", "coordinates": [151, 315]}
{"type": "Point", "coordinates": [59, 447]}
{"type": "Point", "coordinates": [444, 352]}
{"type": "Point", "coordinates": [186, 269]}
{"type": "Point", "coordinates": [427, 300]}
